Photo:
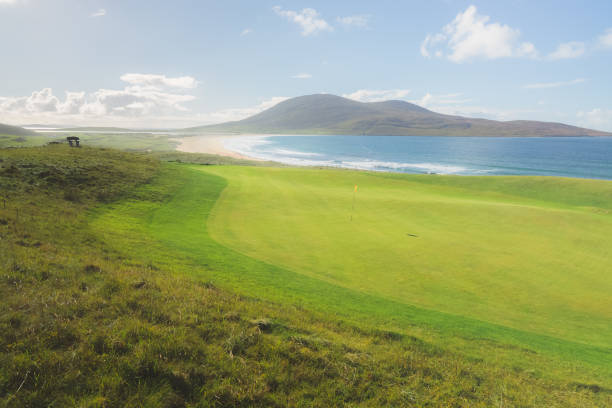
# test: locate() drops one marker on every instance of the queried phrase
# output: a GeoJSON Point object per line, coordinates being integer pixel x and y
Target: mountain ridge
{"type": "Point", "coordinates": [327, 114]}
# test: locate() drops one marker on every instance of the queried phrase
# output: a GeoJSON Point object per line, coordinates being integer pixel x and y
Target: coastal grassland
{"type": "Point", "coordinates": [125, 141]}
{"type": "Point", "coordinates": [208, 159]}
{"type": "Point", "coordinates": [129, 141]}
{"type": "Point", "coordinates": [22, 140]}
{"type": "Point", "coordinates": [97, 311]}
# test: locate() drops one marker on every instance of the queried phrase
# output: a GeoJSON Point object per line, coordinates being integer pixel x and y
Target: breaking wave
{"type": "Point", "coordinates": [569, 157]}
{"type": "Point", "coordinates": [260, 147]}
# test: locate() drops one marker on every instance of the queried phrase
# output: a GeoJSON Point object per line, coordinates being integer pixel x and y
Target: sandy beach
{"type": "Point", "coordinates": [211, 144]}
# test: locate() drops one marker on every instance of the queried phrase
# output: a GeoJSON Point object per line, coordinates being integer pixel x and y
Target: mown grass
{"type": "Point", "coordinates": [97, 312]}
{"type": "Point", "coordinates": [525, 252]}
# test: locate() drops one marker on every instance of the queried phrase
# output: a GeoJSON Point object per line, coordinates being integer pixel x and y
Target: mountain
{"type": "Point", "coordinates": [8, 130]}
{"type": "Point", "coordinates": [334, 115]}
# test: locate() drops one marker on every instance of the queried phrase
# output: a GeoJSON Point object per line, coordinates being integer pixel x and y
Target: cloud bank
{"type": "Point", "coordinates": [147, 100]}
{"type": "Point", "coordinates": [471, 36]}
{"type": "Point", "coordinates": [145, 95]}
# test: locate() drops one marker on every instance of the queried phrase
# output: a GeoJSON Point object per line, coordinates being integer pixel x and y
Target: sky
{"type": "Point", "coordinates": [168, 64]}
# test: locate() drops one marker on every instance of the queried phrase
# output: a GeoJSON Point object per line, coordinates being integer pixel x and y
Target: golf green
{"type": "Point", "coordinates": [529, 253]}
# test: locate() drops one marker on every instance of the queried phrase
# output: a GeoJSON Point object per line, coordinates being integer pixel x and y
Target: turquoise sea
{"type": "Point", "coordinates": [584, 157]}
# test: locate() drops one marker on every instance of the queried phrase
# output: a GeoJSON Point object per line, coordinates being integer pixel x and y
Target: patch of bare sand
{"type": "Point", "coordinates": [211, 144]}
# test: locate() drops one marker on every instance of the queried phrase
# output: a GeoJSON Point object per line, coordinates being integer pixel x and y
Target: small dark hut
{"type": "Point", "coordinates": [73, 141]}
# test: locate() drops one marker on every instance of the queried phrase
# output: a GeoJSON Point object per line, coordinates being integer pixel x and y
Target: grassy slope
{"type": "Point", "coordinates": [22, 141]}
{"type": "Point", "coordinates": [14, 130]}
{"type": "Point", "coordinates": [128, 142]}
{"type": "Point", "coordinates": [17, 136]}
{"type": "Point", "coordinates": [96, 312]}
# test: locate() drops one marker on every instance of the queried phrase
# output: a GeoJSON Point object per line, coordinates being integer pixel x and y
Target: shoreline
{"type": "Point", "coordinates": [212, 144]}
{"type": "Point", "coordinates": [216, 144]}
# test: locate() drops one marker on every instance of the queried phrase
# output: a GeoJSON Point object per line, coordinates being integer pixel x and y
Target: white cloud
{"type": "Point", "coordinates": [246, 31]}
{"type": "Point", "coordinates": [302, 75]}
{"type": "Point", "coordinates": [431, 41]}
{"type": "Point", "coordinates": [72, 103]}
{"type": "Point", "coordinates": [227, 115]}
{"type": "Point", "coordinates": [543, 85]}
{"type": "Point", "coordinates": [605, 40]}
{"type": "Point", "coordinates": [308, 19]}
{"type": "Point", "coordinates": [9, 2]}
{"type": "Point", "coordinates": [100, 13]}
{"type": "Point", "coordinates": [471, 35]}
{"type": "Point", "coordinates": [440, 99]}
{"type": "Point", "coordinates": [425, 100]}
{"type": "Point", "coordinates": [597, 118]}
{"type": "Point", "coordinates": [359, 21]}
{"type": "Point", "coordinates": [146, 101]}
{"type": "Point", "coordinates": [157, 81]}
{"type": "Point", "coordinates": [572, 49]}
{"type": "Point", "coordinates": [374, 95]}
{"type": "Point", "coordinates": [458, 105]}
{"type": "Point", "coordinates": [576, 49]}
{"type": "Point", "coordinates": [487, 112]}
{"type": "Point", "coordinates": [145, 95]}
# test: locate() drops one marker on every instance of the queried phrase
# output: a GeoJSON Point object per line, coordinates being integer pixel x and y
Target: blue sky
{"type": "Point", "coordinates": [181, 63]}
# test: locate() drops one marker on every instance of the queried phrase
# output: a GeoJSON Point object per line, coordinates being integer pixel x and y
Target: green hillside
{"type": "Point", "coordinates": [334, 115]}
{"type": "Point", "coordinates": [13, 136]}
{"type": "Point", "coordinates": [8, 130]}
{"type": "Point", "coordinates": [117, 291]}
{"type": "Point", "coordinates": [130, 142]}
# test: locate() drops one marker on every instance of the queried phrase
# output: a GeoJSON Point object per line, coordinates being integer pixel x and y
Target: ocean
{"type": "Point", "coordinates": [582, 157]}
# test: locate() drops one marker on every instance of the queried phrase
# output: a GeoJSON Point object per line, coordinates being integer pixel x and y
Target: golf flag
{"type": "Point", "coordinates": [355, 188]}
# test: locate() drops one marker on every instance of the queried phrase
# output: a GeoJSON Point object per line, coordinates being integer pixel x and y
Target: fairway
{"type": "Point", "coordinates": [528, 253]}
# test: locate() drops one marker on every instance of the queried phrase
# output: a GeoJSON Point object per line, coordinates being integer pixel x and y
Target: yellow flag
{"type": "Point", "coordinates": [355, 188]}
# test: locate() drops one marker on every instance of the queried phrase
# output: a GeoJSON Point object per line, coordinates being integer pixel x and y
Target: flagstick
{"type": "Point", "coordinates": [353, 206]}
